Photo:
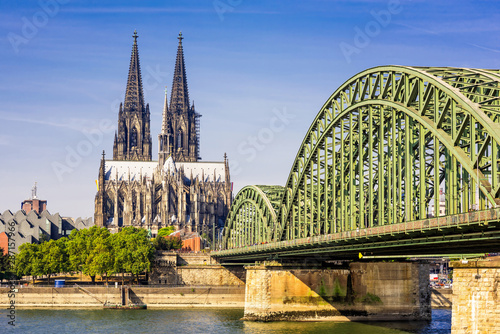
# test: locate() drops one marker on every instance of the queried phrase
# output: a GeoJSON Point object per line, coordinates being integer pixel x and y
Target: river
{"type": "Point", "coordinates": [212, 320]}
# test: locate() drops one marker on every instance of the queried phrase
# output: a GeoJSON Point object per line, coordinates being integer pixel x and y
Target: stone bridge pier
{"type": "Point", "coordinates": [476, 296]}
{"type": "Point", "coordinates": [356, 291]}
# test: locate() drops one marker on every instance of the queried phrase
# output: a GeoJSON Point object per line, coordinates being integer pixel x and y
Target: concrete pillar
{"type": "Point", "coordinates": [476, 297]}
{"type": "Point", "coordinates": [362, 291]}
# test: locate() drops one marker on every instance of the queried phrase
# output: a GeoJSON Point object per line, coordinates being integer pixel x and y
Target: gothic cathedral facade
{"type": "Point", "coordinates": [177, 190]}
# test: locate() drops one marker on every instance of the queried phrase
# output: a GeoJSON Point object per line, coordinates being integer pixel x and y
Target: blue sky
{"type": "Point", "coordinates": [258, 71]}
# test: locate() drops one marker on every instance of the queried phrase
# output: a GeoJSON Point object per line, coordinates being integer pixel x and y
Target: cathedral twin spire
{"type": "Point", "coordinates": [133, 139]}
{"type": "Point", "coordinates": [179, 98]}
{"type": "Point", "coordinates": [179, 136]}
{"type": "Point", "coordinates": [178, 139]}
{"type": "Point", "coordinates": [180, 128]}
{"type": "Point", "coordinates": [134, 95]}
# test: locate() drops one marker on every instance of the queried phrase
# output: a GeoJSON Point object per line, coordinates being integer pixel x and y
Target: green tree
{"type": "Point", "coordinates": [28, 261]}
{"type": "Point", "coordinates": [159, 243]}
{"type": "Point", "coordinates": [54, 257]}
{"type": "Point", "coordinates": [167, 243]}
{"type": "Point", "coordinates": [5, 265]}
{"type": "Point", "coordinates": [133, 251]}
{"type": "Point", "coordinates": [86, 245]}
{"type": "Point", "coordinates": [43, 237]}
{"type": "Point", "coordinates": [165, 231]}
{"type": "Point", "coordinates": [101, 259]}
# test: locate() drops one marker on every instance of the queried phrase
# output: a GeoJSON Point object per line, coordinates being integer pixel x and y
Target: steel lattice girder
{"type": "Point", "coordinates": [384, 146]}
{"type": "Point", "coordinates": [252, 218]}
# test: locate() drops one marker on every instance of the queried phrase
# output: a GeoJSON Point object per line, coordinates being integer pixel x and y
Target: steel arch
{"type": "Point", "coordinates": [387, 143]}
{"type": "Point", "coordinates": [253, 216]}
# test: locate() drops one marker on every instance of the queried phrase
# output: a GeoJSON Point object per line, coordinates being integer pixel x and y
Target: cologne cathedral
{"type": "Point", "coordinates": [177, 190]}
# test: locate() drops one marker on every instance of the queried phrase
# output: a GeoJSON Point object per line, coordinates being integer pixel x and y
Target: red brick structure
{"type": "Point", "coordinates": [191, 241]}
{"type": "Point", "coordinates": [4, 242]}
{"type": "Point", "coordinates": [192, 244]}
{"type": "Point", "coordinates": [34, 204]}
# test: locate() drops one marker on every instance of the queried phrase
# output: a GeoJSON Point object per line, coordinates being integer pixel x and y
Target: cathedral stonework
{"type": "Point", "coordinates": [133, 140]}
{"type": "Point", "coordinates": [180, 134]}
{"type": "Point", "coordinates": [177, 190]}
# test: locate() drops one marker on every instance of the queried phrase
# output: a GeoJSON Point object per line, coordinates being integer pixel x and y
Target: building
{"type": "Point", "coordinates": [33, 203]}
{"type": "Point", "coordinates": [33, 225]}
{"type": "Point", "coordinates": [4, 243]}
{"type": "Point", "coordinates": [177, 190]}
{"type": "Point", "coordinates": [191, 241]}
{"type": "Point", "coordinates": [442, 206]}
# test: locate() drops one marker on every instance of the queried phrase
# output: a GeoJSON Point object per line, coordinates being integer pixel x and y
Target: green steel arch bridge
{"type": "Point", "coordinates": [398, 161]}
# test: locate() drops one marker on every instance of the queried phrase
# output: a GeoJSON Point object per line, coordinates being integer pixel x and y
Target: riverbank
{"type": "Point", "coordinates": [154, 297]}
{"type": "Point", "coordinates": [95, 297]}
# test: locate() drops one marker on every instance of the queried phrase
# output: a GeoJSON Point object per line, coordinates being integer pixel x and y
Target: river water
{"type": "Point", "coordinates": [76, 321]}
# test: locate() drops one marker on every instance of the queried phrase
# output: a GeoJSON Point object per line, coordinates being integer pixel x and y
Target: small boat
{"type": "Point", "coordinates": [125, 307]}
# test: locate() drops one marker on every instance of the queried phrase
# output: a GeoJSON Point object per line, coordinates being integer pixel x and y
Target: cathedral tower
{"type": "Point", "coordinates": [133, 139]}
{"type": "Point", "coordinates": [180, 191]}
{"type": "Point", "coordinates": [180, 136]}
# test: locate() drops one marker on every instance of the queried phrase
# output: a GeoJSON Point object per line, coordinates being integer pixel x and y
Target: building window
{"type": "Point", "coordinates": [133, 138]}
{"type": "Point", "coordinates": [179, 139]}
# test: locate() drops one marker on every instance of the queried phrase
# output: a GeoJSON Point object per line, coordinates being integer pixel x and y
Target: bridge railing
{"type": "Point", "coordinates": [457, 220]}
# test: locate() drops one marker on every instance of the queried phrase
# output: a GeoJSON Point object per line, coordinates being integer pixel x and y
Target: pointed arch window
{"type": "Point", "coordinates": [133, 137]}
{"type": "Point", "coordinates": [179, 139]}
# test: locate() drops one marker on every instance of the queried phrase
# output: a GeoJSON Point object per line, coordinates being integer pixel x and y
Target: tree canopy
{"type": "Point", "coordinates": [165, 231]}
{"type": "Point", "coordinates": [28, 260]}
{"type": "Point", "coordinates": [93, 251]}
{"type": "Point", "coordinates": [133, 251]}
{"type": "Point", "coordinates": [87, 251]}
{"type": "Point", "coordinates": [53, 258]}
{"type": "Point", "coordinates": [167, 242]}
{"type": "Point", "coordinates": [5, 265]}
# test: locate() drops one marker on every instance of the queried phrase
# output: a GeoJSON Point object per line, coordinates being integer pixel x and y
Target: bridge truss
{"type": "Point", "coordinates": [392, 145]}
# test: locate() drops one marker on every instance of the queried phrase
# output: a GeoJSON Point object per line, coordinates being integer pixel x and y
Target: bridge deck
{"type": "Point", "coordinates": [462, 233]}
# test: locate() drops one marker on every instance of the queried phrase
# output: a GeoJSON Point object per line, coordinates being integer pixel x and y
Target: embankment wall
{"type": "Point", "coordinates": [195, 296]}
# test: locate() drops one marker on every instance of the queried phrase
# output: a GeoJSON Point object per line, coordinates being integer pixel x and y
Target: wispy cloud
{"type": "Point", "coordinates": [441, 33]}
{"type": "Point", "coordinates": [443, 28]}
{"type": "Point", "coordinates": [415, 28]}
{"type": "Point", "coordinates": [484, 48]}
{"type": "Point", "coordinates": [116, 10]}
{"type": "Point", "coordinates": [156, 10]}
{"type": "Point", "coordinates": [75, 124]}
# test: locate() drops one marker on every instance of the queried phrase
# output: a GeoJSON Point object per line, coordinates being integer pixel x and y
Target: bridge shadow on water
{"type": "Point", "coordinates": [440, 324]}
